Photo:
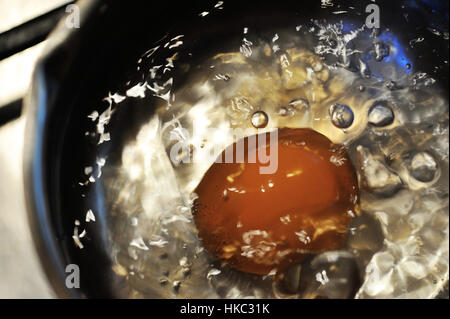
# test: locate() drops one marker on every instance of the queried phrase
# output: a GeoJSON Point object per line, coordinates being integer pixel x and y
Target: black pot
{"type": "Point", "coordinates": [80, 66]}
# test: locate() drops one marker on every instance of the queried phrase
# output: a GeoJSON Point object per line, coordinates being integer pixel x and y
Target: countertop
{"type": "Point", "coordinates": [21, 275]}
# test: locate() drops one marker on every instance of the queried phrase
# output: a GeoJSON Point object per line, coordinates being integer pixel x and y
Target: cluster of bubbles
{"type": "Point", "coordinates": [348, 86]}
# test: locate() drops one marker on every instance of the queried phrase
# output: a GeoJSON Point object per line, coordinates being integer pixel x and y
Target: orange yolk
{"type": "Point", "coordinates": [259, 223]}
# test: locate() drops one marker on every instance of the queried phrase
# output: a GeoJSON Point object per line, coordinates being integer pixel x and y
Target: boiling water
{"type": "Point", "coordinates": [356, 87]}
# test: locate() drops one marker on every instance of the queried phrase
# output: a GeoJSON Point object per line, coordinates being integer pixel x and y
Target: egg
{"type": "Point", "coordinates": [261, 223]}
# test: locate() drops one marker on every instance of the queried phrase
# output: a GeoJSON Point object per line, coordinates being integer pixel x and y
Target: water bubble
{"type": "Point", "coordinates": [330, 275]}
{"type": "Point", "coordinates": [361, 88]}
{"type": "Point", "coordinates": [186, 271]}
{"type": "Point", "coordinates": [423, 167]}
{"type": "Point", "coordinates": [163, 282]}
{"type": "Point", "coordinates": [391, 85]}
{"type": "Point", "coordinates": [223, 77]}
{"type": "Point", "coordinates": [299, 103]}
{"type": "Point", "coordinates": [429, 82]}
{"type": "Point", "coordinates": [246, 48]}
{"type": "Point", "coordinates": [408, 66]}
{"type": "Point", "coordinates": [365, 234]}
{"type": "Point", "coordinates": [380, 115]}
{"type": "Point", "coordinates": [176, 285]}
{"type": "Point", "coordinates": [260, 119]}
{"type": "Point", "coordinates": [285, 111]}
{"type": "Point", "coordinates": [413, 42]}
{"type": "Point", "coordinates": [351, 62]}
{"type": "Point", "coordinates": [422, 79]}
{"type": "Point", "coordinates": [375, 32]}
{"type": "Point", "coordinates": [364, 69]}
{"type": "Point", "coordinates": [291, 279]}
{"type": "Point", "coordinates": [297, 106]}
{"type": "Point", "coordinates": [332, 43]}
{"type": "Point", "coordinates": [381, 50]}
{"type": "Point", "coordinates": [376, 177]}
{"type": "Point", "coordinates": [341, 115]}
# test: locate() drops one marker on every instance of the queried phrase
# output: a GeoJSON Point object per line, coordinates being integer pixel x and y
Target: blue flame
{"type": "Point", "coordinates": [397, 52]}
{"type": "Point", "coordinates": [436, 6]}
{"type": "Point", "coordinates": [348, 27]}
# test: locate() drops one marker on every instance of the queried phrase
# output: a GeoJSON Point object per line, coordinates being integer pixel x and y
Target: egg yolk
{"type": "Point", "coordinates": [259, 223]}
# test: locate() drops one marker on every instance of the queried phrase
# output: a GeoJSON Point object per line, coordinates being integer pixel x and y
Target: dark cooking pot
{"type": "Point", "coordinates": [81, 65]}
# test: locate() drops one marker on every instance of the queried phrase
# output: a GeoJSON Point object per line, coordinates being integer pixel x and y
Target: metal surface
{"type": "Point", "coordinates": [10, 111]}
